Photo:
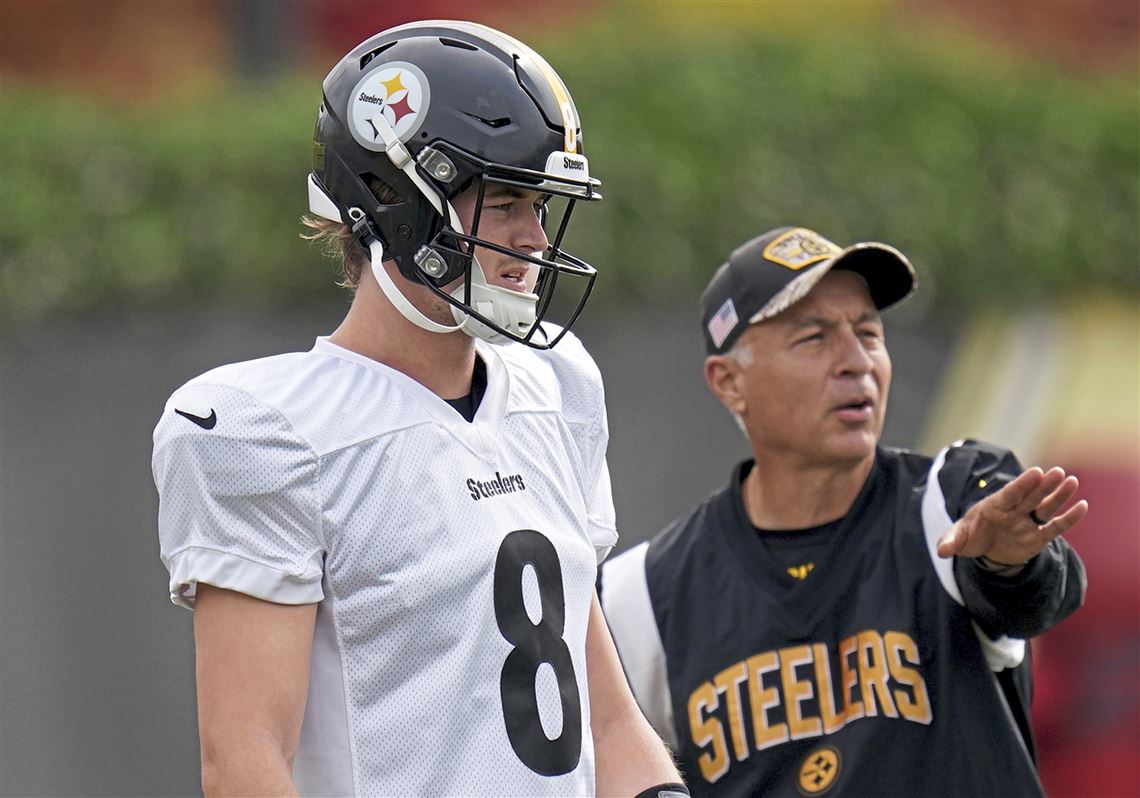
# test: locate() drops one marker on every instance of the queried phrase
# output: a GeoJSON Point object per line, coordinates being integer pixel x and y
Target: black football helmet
{"type": "Point", "coordinates": [429, 108]}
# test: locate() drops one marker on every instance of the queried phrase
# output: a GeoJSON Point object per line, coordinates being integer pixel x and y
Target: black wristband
{"type": "Point", "coordinates": [672, 790]}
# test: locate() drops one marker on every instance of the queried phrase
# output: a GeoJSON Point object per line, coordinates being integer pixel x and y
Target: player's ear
{"type": "Point", "coordinates": [723, 377]}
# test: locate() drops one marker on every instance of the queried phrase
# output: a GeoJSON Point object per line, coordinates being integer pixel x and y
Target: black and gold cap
{"type": "Point", "coordinates": [768, 274]}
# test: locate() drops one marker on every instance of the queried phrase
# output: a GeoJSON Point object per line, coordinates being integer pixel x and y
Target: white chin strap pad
{"type": "Point", "coordinates": [401, 302]}
{"type": "Point", "coordinates": [514, 311]}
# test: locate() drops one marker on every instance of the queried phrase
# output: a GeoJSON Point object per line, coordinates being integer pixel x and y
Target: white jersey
{"type": "Point", "coordinates": [453, 562]}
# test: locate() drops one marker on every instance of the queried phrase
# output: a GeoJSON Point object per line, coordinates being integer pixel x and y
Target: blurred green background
{"type": "Point", "coordinates": [1009, 176]}
{"type": "Point", "coordinates": [152, 164]}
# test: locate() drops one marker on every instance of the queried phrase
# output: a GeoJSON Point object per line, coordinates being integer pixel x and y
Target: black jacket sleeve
{"type": "Point", "coordinates": [1048, 589]}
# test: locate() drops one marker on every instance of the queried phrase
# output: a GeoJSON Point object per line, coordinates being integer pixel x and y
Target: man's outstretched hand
{"type": "Point", "coordinates": [1000, 526]}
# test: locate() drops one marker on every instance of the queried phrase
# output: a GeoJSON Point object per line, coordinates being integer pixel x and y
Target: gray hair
{"type": "Point", "coordinates": [741, 354]}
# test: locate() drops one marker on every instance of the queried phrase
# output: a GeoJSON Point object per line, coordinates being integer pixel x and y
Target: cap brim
{"type": "Point", "coordinates": [889, 276]}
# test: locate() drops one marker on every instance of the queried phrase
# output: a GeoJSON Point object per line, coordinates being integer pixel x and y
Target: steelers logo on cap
{"type": "Point", "coordinates": [800, 247]}
{"type": "Point", "coordinates": [818, 771]}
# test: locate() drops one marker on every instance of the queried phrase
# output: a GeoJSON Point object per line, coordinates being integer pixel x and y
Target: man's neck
{"type": "Point", "coordinates": [779, 496]}
{"type": "Point", "coordinates": [441, 362]}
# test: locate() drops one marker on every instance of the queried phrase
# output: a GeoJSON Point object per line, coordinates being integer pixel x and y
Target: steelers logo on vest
{"type": "Point", "coordinates": [818, 771]}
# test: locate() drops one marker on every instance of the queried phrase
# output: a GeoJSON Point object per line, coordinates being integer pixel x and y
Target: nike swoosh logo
{"type": "Point", "coordinates": [205, 422]}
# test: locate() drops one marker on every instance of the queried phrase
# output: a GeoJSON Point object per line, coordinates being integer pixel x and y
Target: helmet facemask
{"type": "Point", "coordinates": [492, 312]}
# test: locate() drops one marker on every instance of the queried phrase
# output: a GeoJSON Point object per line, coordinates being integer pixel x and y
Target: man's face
{"type": "Point", "coordinates": [813, 381]}
{"type": "Point", "coordinates": [510, 218]}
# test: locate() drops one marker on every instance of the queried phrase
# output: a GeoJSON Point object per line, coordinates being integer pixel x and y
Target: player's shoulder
{"type": "Point", "coordinates": [260, 380]}
{"type": "Point", "coordinates": [568, 358]}
{"type": "Point", "coordinates": [239, 403]}
{"type": "Point", "coordinates": [565, 375]}
{"type": "Point", "coordinates": [328, 397]}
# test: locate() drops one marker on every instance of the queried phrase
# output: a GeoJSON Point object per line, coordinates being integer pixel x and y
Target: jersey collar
{"type": "Point", "coordinates": [481, 434]}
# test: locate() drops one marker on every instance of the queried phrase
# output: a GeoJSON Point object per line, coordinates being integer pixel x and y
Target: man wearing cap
{"type": "Point", "coordinates": [843, 617]}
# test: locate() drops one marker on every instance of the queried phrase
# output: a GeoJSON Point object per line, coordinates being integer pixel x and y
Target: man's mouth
{"type": "Point", "coordinates": [855, 410]}
{"type": "Point", "coordinates": [514, 278]}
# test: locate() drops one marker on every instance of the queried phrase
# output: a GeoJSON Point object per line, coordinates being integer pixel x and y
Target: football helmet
{"type": "Point", "coordinates": [430, 109]}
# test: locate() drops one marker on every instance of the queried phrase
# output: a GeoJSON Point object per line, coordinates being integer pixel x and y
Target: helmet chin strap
{"type": "Point", "coordinates": [401, 302]}
{"type": "Point", "coordinates": [514, 311]}
{"type": "Point", "coordinates": [511, 310]}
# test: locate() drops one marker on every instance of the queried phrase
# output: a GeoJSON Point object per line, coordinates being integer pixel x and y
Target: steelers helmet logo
{"type": "Point", "coordinates": [395, 94]}
{"type": "Point", "coordinates": [818, 771]}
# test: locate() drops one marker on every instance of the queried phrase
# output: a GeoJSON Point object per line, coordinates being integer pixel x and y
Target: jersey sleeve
{"type": "Point", "coordinates": [238, 505]}
{"type": "Point", "coordinates": [584, 409]}
{"type": "Point", "coordinates": [1046, 591]}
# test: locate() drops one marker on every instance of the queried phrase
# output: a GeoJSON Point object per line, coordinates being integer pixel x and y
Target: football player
{"type": "Point", "coordinates": [841, 618]}
{"type": "Point", "coordinates": [390, 541]}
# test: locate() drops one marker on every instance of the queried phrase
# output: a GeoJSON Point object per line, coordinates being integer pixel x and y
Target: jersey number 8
{"type": "Point", "coordinates": [535, 644]}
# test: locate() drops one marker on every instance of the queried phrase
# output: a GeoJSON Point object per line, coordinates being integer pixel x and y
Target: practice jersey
{"type": "Point", "coordinates": [454, 563]}
{"type": "Point", "coordinates": [867, 666]}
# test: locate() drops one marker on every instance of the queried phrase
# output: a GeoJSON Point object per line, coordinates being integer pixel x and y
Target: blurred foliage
{"type": "Point", "coordinates": [1003, 181]}
{"type": "Point", "coordinates": [178, 201]}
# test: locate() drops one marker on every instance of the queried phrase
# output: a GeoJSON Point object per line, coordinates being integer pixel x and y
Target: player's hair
{"type": "Point", "coordinates": [337, 241]}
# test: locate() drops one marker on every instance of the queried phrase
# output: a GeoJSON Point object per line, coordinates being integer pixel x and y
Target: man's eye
{"type": "Point", "coordinates": [807, 339]}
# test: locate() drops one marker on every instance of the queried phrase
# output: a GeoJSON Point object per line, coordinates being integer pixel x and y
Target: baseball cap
{"type": "Point", "coordinates": [768, 274]}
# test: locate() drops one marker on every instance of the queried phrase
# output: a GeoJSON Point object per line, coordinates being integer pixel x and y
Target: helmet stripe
{"type": "Point", "coordinates": [569, 113]}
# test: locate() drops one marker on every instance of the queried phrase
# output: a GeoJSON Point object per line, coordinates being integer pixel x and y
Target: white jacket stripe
{"type": "Point", "coordinates": [638, 641]}
{"type": "Point", "coordinates": [1005, 652]}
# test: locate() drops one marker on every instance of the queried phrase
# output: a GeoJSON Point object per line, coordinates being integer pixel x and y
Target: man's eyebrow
{"type": "Point", "coordinates": [811, 321]}
{"type": "Point", "coordinates": [506, 191]}
{"type": "Point", "coordinates": [819, 321]}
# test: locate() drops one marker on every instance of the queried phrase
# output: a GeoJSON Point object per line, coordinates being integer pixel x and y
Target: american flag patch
{"type": "Point", "coordinates": [723, 322]}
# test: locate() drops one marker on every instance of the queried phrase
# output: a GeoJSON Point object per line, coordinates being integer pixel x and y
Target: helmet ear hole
{"type": "Point", "coordinates": [384, 194]}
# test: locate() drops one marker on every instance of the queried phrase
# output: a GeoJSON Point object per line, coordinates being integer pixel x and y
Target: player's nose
{"type": "Point", "coordinates": [529, 234]}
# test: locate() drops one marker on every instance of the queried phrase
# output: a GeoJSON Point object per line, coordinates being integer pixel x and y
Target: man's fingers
{"type": "Point", "coordinates": [1010, 498]}
{"type": "Point", "coordinates": [952, 541]}
{"type": "Point", "coordinates": [1000, 526]}
{"type": "Point", "coordinates": [1049, 505]}
{"type": "Point", "coordinates": [1050, 481]}
{"type": "Point", "coordinates": [1066, 521]}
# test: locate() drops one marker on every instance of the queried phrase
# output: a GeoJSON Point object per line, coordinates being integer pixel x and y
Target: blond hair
{"type": "Point", "coordinates": [336, 240]}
